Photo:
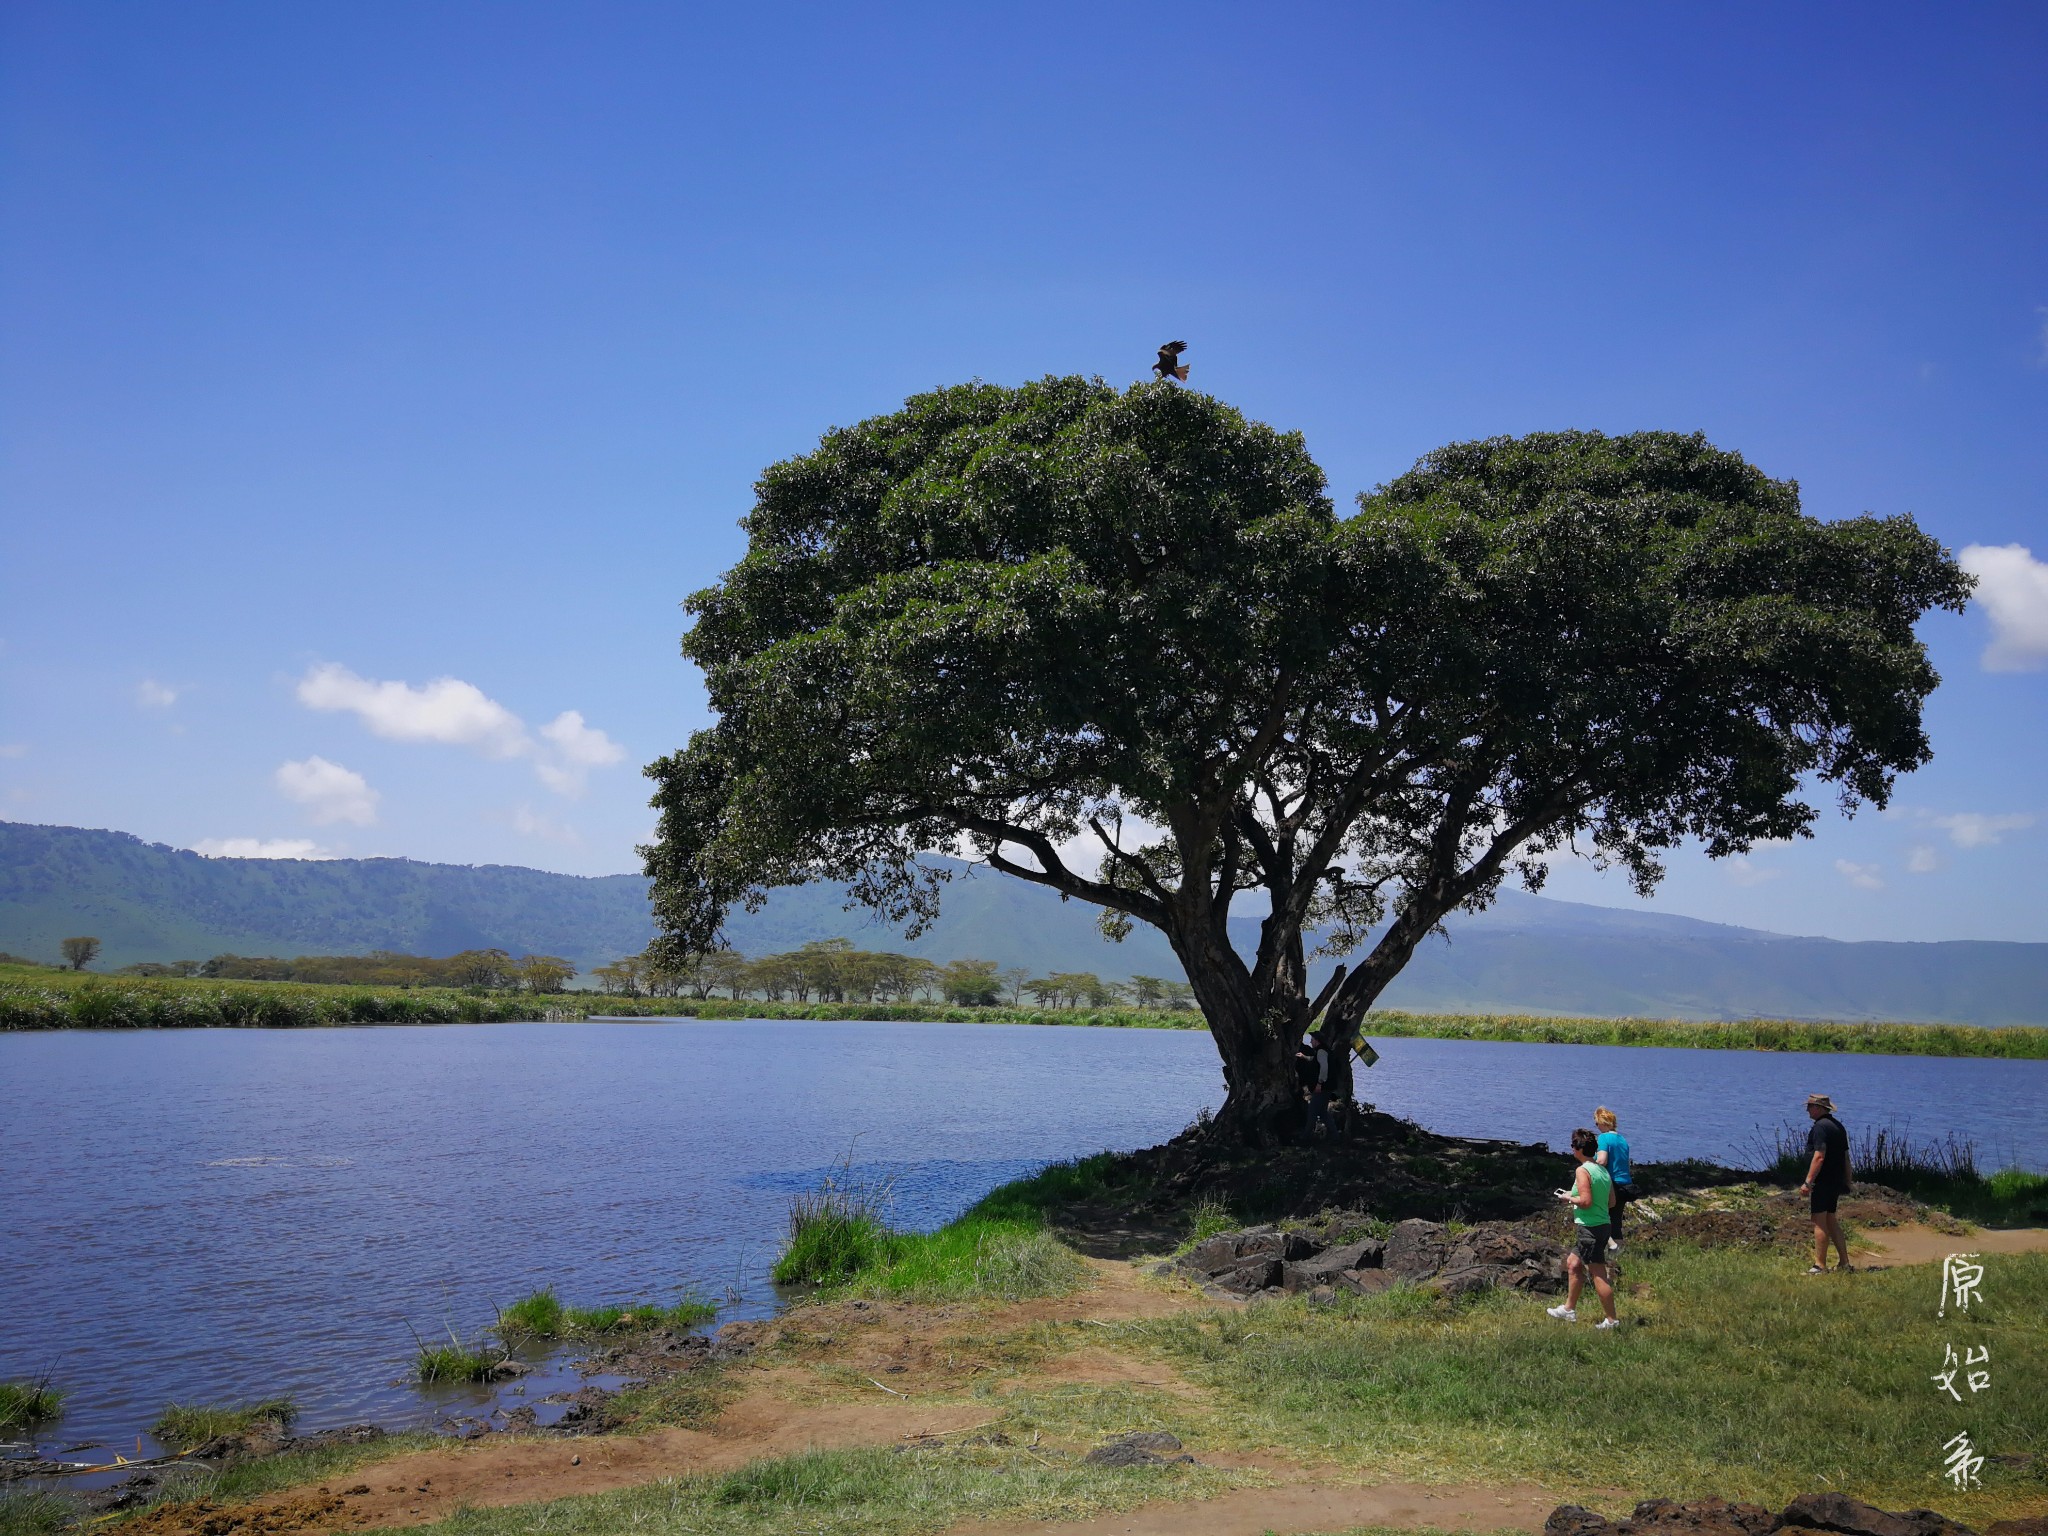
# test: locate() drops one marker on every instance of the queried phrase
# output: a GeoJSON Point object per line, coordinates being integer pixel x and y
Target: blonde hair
{"type": "Point", "coordinates": [1604, 1118]}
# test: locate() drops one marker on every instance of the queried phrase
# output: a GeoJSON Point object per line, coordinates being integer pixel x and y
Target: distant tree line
{"type": "Point", "coordinates": [823, 971]}
{"type": "Point", "coordinates": [486, 970]}
{"type": "Point", "coordinates": [833, 971]}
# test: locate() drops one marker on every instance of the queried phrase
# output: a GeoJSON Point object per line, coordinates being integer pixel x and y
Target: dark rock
{"type": "Point", "coordinates": [1323, 1269]}
{"type": "Point", "coordinates": [1144, 1448]}
{"type": "Point", "coordinates": [522, 1418]}
{"type": "Point", "coordinates": [1256, 1275]}
{"type": "Point", "coordinates": [1232, 1250]}
{"type": "Point", "coordinates": [1701, 1517]}
{"type": "Point", "coordinates": [1465, 1282]}
{"type": "Point", "coordinates": [505, 1370]}
{"type": "Point", "coordinates": [1415, 1250]}
{"type": "Point", "coordinates": [1366, 1282]}
{"type": "Point", "coordinates": [1576, 1520]}
{"type": "Point", "coordinates": [1115, 1455]}
{"type": "Point", "coordinates": [1845, 1516]}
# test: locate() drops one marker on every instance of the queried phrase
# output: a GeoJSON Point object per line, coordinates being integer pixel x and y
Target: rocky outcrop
{"type": "Point", "coordinates": [1454, 1261]}
{"type": "Point", "coordinates": [1811, 1514]}
{"type": "Point", "coordinates": [1145, 1448]}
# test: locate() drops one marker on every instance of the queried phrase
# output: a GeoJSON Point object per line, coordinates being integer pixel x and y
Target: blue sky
{"type": "Point", "coordinates": [376, 380]}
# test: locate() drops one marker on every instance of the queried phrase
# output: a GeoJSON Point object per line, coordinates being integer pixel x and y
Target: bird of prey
{"type": "Point", "coordinates": [1169, 365]}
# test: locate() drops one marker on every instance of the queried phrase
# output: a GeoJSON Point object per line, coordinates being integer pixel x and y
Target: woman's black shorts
{"type": "Point", "coordinates": [1823, 1201]}
{"type": "Point", "coordinates": [1592, 1244]}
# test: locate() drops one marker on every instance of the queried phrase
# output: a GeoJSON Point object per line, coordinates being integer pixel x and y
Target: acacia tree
{"type": "Point", "coordinates": [1010, 617]}
{"type": "Point", "coordinates": [80, 952]}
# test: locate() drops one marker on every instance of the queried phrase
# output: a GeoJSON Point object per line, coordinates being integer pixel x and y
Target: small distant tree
{"type": "Point", "coordinates": [79, 953]}
{"type": "Point", "coordinates": [1044, 990]}
{"type": "Point", "coordinates": [481, 968]}
{"type": "Point", "coordinates": [1014, 979]}
{"type": "Point", "coordinates": [184, 967]}
{"type": "Point", "coordinates": [971, 983]}
{"type": "Point", "coordinates": [545, 973]}
{"type": "Point", "coordinates": [1146, 991]}
{"type": "Point", "coordinates": [622, 978]}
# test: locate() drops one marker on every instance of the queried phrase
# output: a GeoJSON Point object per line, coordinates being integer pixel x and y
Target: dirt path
{"type": "Point", "coordinates": [894, 1356]}
{"type": "Point", "coordinates": [1923, 1245]}
{"type": "Point", "coordinates": [1310, 1507]}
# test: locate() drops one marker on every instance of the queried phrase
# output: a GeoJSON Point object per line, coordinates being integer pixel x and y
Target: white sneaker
{"type": "Point", "coordinates": [1562, 1314]}
{"type": "Point", "coordinates": [1607, 1322]}
{"type": "Point", "coordinates": [1614, 1245]}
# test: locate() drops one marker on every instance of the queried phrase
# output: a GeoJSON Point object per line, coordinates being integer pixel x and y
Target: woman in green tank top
{"type": "Point", "coordinates": [1590, 1197]}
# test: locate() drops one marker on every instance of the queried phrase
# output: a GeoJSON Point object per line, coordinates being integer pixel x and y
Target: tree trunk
{"type": "Point", "coordinates": [1255, 1035]}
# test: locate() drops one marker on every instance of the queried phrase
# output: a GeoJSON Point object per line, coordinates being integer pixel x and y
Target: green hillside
{"type": "Point", "coordinates": [145, 901]}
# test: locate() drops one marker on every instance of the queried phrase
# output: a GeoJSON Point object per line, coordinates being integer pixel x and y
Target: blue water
{"type": "Point", "coordinates": [210, 1215]}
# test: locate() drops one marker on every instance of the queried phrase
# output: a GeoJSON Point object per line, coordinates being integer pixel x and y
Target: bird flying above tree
{"type": "Point", "coordinates": [1169, 365]}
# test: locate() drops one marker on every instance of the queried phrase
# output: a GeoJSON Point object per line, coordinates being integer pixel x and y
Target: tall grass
{"type": "Point", "coordinates": [2019, 1042]}
{"type": "Point", "coordinates": [1940, 1172]}
{"type": "Point", "coordinates": [442, 1364]}
{"type": "Point", "coordinates": [35, 1514]}
{"type": "Point", "coordinates": [836, 1232]}
{"type": "Point", "coordinates": [23, 1403]}
{"type": "Point", "coordinates": [1001, 1247]}
{"type": "Point", "coordinates": [185, 1425]}
{"type": "Point", "coordinates": [544, 1316]}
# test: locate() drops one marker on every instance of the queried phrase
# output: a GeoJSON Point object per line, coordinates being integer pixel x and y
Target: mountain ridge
{"type": "Point", "coordinates": [1526, 954]}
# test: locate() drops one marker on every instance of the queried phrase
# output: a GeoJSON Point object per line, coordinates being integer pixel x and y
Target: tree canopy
{"type": "Point", "coordinates": [1003, 619]}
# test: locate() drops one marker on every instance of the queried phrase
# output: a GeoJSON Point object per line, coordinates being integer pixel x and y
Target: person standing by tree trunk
{"type": "Point", "coordinates": [1827, 1180]}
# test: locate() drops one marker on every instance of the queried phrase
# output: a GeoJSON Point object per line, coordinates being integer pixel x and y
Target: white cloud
{"type": "Point", "coordinates": [1970, 829]}
{"type": "Point", "coordinates": [1922, 860]}
{"type": "Point", "coordinates": [446, 710]}
{"type": "Point", "coordinates": [1864, 877]}
{"type": "Point", "coordinates": [14, 749]}
{"type": "Point", "coordinates": [454, 713]}
{"type": "Point", "coordinates": [577, 749]}
{"type": "Point", "coordinates": [1742, 871]}
{"type": "Point", "coordinates": [329, 791]}
{"type": "Point", "coordinates": [261, 848]}
{"type": "Point", "coordinates": [151, 694]}
{"type": "Point", "coordinates": [531, 823]}
{"type": "Point", "coordinates": [2013, 587]}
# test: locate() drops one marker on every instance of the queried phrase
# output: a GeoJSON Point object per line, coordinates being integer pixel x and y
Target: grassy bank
{"type": "Point", "coordinates": [35, 998]}
{"type": "Point", "coordinates": [1733, 1374]}
{"type": "Point", "coordinates": [1000, 1247]}
{"type": "Point", "coordinates": [1941, 1173]}
{"type": "Point", "coordinates": [2019, 1042]}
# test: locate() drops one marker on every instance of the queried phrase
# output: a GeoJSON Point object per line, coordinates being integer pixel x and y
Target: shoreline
{"type": "Point", "coordinates": [101, 1003]}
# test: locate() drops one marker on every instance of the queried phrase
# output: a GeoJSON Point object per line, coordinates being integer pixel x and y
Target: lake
{"type": "Point", "coordinates": [208, 1215]}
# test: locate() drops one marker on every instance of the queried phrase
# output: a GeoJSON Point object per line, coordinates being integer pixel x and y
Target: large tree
{"type": "Point", "coordinates": [1009, 619]}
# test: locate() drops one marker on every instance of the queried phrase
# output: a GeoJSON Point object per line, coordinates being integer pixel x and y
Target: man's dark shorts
{"type": "Point", "coordinates": [1823, 1201]}
{"type": "Point", "coordinates": [1592, 1244]}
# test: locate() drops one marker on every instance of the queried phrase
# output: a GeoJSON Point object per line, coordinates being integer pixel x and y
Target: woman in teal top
{"type": "Point", "coordinates": [1613, 1157]}
{"type": "Point", "coordinates": [1588, 1196]}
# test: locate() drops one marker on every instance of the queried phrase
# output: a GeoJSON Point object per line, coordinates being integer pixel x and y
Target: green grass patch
{"type": "Point", "coordinates": [855, 1493]}
{"type": "Point", "coordinates": [2018, 1041]}
{"type": "Point", "coordinates": [23, 1403]}
{"type": "Point", "coordinates": [185, 1425]}
{"type": "Point", "coordinates": [259, 1475]}
{"type": "Point", "coordinates": [442, 1364]}
{"type": "Point", "coordinates": [1941, 1173]}
{"type": "Point", "coordinates": [544, 1315]}
{"type": "Point", "coordinates": [999, 1248]}
{"type": "Point", "coordinates": [1734, 1374]}
{"type": "Point", "coordinates": [34, 1514]}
